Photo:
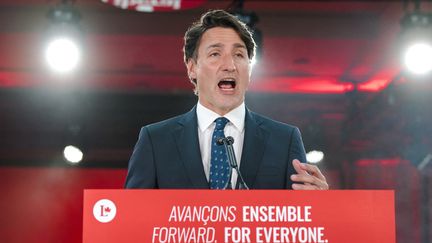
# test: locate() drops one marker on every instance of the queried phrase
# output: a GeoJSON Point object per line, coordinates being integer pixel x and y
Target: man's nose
{"type": "Point", "coordinates": [228, 63]}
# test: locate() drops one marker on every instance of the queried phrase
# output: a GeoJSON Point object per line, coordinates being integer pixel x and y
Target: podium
{"type": "Point", "coordinates": [334, 216]}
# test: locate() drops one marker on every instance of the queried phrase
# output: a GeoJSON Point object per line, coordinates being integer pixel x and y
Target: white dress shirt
{"type": "Point", "coordinates": [234, 128]}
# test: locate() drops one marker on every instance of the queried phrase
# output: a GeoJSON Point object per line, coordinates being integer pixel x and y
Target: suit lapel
{"type": "Point", "coordinates": [254, 143]}
{"type": "Point", "coordinates": [186, 136]}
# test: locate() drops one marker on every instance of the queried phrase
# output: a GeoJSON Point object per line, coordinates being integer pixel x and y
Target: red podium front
{"type": "Point", "coordinates": [238, 216]}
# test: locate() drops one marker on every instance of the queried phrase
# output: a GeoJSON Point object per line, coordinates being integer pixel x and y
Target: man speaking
{"type": "Point", "coordinates": [184, 152]}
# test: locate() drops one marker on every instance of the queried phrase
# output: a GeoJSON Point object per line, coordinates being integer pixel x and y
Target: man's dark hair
{"type": "Point", "coordinates": [211, 19]}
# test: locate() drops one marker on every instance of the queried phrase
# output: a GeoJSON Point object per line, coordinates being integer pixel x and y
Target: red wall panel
{"type": "Point", "coordinates": [45, 204]}
{"type": "Point", "coordinates": [405, 179]}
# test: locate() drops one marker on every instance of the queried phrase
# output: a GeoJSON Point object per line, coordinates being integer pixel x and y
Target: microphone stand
{"type": "Point", "coordinates": [228, 144]}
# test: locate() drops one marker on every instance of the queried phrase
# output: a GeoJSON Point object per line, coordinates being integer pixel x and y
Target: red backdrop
{"type": "Point", "coordinates": [45, 204]}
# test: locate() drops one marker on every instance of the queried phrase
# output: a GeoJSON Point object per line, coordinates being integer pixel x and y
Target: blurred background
{"type": "Point", "coordinates": [354, 76]}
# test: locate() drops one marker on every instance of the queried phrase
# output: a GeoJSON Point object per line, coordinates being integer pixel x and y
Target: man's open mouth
{"type": "Point", "coordinates": [227, 84]}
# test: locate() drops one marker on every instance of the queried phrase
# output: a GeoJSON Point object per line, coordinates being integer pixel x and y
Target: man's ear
{"type": "Point", "coordinates": [191, 69]}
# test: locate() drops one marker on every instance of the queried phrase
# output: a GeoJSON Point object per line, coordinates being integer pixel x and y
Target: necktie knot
{"type": "Point", "coordinates": [221, 123]}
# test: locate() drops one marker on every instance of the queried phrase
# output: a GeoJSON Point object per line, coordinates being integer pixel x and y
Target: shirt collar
{"type": "Point", "coordinates": [206, 116]}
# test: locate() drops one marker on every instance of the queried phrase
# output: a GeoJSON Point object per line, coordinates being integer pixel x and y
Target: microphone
{"type": "Point", "coordinates": [228, 143]}
{"type": "Point", "coordinates": [229, 139]}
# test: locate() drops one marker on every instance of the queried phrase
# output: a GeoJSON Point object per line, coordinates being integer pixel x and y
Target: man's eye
{"type": "Point", "coordinates": [239, 55]}
{"type": "Point", "coordinates": [214, 54]}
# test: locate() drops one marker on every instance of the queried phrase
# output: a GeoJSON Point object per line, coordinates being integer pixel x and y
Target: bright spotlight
{"type": "Point", "coordinates": [72, 154]}
{"type": "Point", "coordinates": [415, 40]}
{"type": "Point", "coordinates": [62, 55]}
{"type": "Point", "coordinates": [418, 58]}
{"type": "Point", "coordinates": [314, 156]}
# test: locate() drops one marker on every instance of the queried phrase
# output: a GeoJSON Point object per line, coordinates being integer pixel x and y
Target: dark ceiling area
{"type": "Point", "coordinates": [329, 67]}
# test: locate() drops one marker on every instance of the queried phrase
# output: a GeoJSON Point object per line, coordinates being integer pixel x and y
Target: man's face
{"type": "Point", "coordinates": [222, 70]}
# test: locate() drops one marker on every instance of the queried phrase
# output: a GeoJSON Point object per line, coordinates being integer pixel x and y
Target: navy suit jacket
{"type": "Point", "coordinates": [167, 154]}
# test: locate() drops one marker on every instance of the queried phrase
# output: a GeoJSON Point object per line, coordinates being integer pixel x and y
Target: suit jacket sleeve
{"type": "Point", "coordinates": [297, 150]}
{"type": "Point", "coordinates": [142, 170]}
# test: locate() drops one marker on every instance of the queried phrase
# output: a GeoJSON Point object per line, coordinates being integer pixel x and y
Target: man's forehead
{"type": "Point", "coordinates": [222, 45]}
{"type": "Point", "coordinates": [221, 37]}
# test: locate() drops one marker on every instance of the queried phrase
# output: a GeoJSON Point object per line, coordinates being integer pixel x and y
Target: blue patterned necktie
{"type": "Point", "coordinates": [219, 165]}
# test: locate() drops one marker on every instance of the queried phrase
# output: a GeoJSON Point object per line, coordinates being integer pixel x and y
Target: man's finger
{"type": "Point", "coordinates": [313, 170]}
{"type": "Point", "coordinates": [298, 167]}
{"type": "Point", "coordinates": [309, 180]}
{"type": "Point", "coordinates": [308, 177]}
{"type": "Point", "coordinates": [305, 179]}
{"type": "Point", "coordinates": [296, 186]}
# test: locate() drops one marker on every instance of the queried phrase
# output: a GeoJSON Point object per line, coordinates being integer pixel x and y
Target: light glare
{"type": "Point", "coordinates": [314, 156]}
{"type": "Point", "coordinates": [62, 55]}
{"type": "Point", "coordinates": [72, 154]}
{"type": "Point", "coordinates": [418, 58]}
{"type": "Point", "coordinates": [253, 61]}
